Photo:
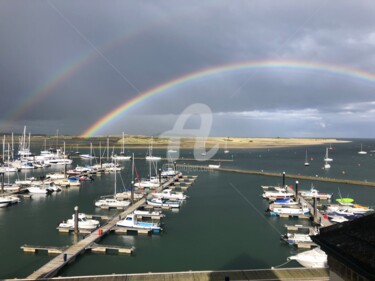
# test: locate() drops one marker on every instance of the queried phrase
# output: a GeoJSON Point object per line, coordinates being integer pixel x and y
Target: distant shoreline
{"type": "Point", "coordinates": [185, 143]}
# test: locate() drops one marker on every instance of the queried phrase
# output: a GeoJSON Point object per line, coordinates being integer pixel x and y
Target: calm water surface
{"type": "Point", "coordinates": [221, 226]}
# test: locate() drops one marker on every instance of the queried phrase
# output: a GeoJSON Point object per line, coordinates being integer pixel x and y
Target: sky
{"type": "Point", "coordinates": [65, 64]}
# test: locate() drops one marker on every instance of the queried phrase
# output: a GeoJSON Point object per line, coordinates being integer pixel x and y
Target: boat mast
{"type": "Point", "coordinates": [123, 144]}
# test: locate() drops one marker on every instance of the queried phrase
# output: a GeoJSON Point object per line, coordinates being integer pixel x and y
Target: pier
{"type": "Point", "coordinates": [280, 274]}
{"type": "Point", "coordinates": [70, 254]}
{"type": "Point", "coordinates": [270, 174]}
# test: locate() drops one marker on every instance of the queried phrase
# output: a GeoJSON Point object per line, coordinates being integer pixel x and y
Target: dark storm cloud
{"type": "Point", "coordinates": [138, 45]}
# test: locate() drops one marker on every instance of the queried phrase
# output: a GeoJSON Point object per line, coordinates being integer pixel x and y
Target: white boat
{"type": "Point", "coordinates": [170, 172]}
{"type": "Point", "coordinates": [288, 210]}
{"type": "Point", "coordinates": [145, 213]}
{"type": "Point", "coordinates": [112, 202]}
{"type": "Point", "coordinates": [337, 218]}
{"type": "Point", "coordinates": [58, 161]}
{"type": "Point", "coordinates": [149, 156]}
{"type": "Point", "coordinates": [226, 151]}
{"type": "Point", "coordinates": [122, 155]}
{"type": "Point", "coordinates": [56, 176]}
{"type": "Point", "coordinates": [127, 195]}
{"type": "Point", "coordinates": [362, 152]}
{"type": "Point", "coordinates": [285, 202]}
{"type": "Point", "coordinates": [212, 166]}
{"type": "Point", "coordinates": [326, 157]}
{"type": "Point", "coordinates": [296, 238]}
{"type": "Point", "coordinates": [151, 183]}
{"type": "Point", "coordinates": [8, 200]}
{"type": "Point", "coordinates": [39, 190]}
{"type": "Point", "coordinates": [314, 258]}
{"type": "Point", "coordinates": [89, 155]}
{"type": "Point", "coordinates": [131, 221]}
{"type": "Point", "coordinates": [158, 202]}
{"type": "Point", "coordinates": [314, 193]}
{"type": "Point", "coordinates": [327, 165]}
{"type": "Point", "coordinates": [169, 194]}
{"type": "Point", "coordinates": [277, 194]}
{"type": "Point", "coordinates": [83, 222]}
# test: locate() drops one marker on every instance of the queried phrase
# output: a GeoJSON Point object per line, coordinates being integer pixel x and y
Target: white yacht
{"type": "Point", "coordinates": [83, 223]}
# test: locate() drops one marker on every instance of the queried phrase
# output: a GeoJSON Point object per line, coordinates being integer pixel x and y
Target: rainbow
{"type": "Point", "coordinates": [351, 73]}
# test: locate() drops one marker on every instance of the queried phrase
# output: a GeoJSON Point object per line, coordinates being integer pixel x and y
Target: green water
{"type": "Point", "coordinates": [221, 226]}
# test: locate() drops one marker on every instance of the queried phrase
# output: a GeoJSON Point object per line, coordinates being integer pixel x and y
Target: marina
{"type": "Point", "coordinates": [211, 182]}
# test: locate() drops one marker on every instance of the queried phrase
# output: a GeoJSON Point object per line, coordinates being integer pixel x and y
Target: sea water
{"type": "Point", "coordinates": [222, 225]}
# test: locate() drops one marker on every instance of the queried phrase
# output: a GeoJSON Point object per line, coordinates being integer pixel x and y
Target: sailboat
{"type": "Point", "coordinates": [326, 158]}
{"type": "Point", "coordinates": [306, 162]}
{"type": "Point", "coordinates": [150, 156]}
{"type": "Point", "coordinates": [122, 155]}
{"type": "Point", "coordinates": [362, 152]}
{"type": "Point", "coordinates": [111, 201]}
{"type": "Point", "coordinates": [88, 156]}
{"type": "Point", "coordinates": [226, 146]}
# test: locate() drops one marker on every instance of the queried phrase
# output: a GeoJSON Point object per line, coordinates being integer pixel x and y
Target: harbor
{"type": "Point", "coordinates": [228, 189]}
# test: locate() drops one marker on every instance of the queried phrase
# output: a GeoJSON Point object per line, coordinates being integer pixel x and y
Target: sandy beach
{"type": "Point", "coordinates": [185, 143]}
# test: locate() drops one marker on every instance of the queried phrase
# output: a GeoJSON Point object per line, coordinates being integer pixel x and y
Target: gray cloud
{"type": "Point", "coordinates": [149, 43]}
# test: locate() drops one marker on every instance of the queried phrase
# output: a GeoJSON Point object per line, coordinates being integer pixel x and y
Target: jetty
{"type": "Point", "coordinates": [188, 167]}
{"type": "Point", "coordinates": [70, 254]}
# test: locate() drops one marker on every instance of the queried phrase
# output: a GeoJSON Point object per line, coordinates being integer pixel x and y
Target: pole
{"type": "Point", "coordinates": [132, 192]}
{"type": "Point", "coordinates": [76, 220]}
{"type": "Point", "coordinates": [175, 166]}
{"type": "Point", "coordinates": [284, 179]}
{"type": "Point", "coordinates": [2, 182]}
{"type": "Point", "coordinates": [159, 177]}
{"type": "Point", "coordinates": [297, 191]}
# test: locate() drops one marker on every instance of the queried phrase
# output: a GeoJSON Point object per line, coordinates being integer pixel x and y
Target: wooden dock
{"type": "Point", "coordinates": [104, 249]}
{"type": "Point", "coordinates": [51, 268]}
{"type": "Point", "coordinates": [48, 249]}
{"type": "Point", "coordinates": [281, 274]}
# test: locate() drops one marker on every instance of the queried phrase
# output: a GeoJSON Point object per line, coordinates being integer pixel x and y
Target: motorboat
{"type": "Point", "coordinates": [158, 202]}
{"type": "Point", "coordinates": [8, 200]}
{"type": "Point", "coordinates": [297, 238]}
{"type": "Point", "coordinates": [284, 201]}
{"type": "Point", "coordinates": [112, 203]}
{"type": "Point", "coordinates": [40, 189]}
{"type": "Point", "coordinates": [56, 176]}
{"type": "Point", "coordinates": [169, 194]}
{"type": "Point", "coordinates": [147, 213]}
{"type": "Point", "coordinates": [131, 221]}
{"type": "Point", "coordinates": [213, 166]}
{"type": "Point", "coordinates": [314, 193]}
{"type": "Point", "coordinates": [277, 194]}
{"type": "Point", "coordinates": [83, 223]}
{"type": "Point", "coordinates": [315, 258]}
{"type": "Point", "coordinates": [170, 172]}
{"type": "Point", "coordinates": [288, 210]}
